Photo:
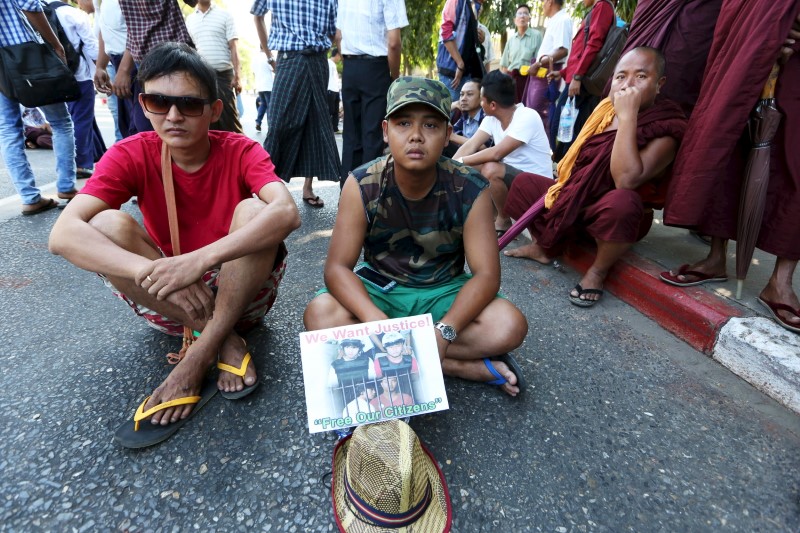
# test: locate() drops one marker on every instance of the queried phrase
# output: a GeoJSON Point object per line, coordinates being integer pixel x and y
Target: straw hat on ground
{"type": "Point", "coordinates": [385, 480]}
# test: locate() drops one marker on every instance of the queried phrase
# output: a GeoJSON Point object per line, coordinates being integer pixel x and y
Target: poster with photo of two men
{"type": "Point", "coordinates": [371, 372]}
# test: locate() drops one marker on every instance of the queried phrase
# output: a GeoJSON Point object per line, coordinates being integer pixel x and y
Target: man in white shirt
{"type": "Point", "coordinates": [78, 30]}
{"type": "Point", "coordinates": [369, 34]}
{"type": "Point", "coordinates": [214, 33]}
{"type": "Point", "coordinates": [552, 56]}
{"type": "Point", "coordinates": [334, 86]}
{"type": "Point", "coordinates": [520, 142]}
{"type": "Point", "coordinates": [264, 79]}
{"type": "Point", "coordinates": [111, 31]}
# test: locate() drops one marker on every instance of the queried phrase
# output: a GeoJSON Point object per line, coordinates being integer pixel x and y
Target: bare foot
{"type": "Point", "coordinates": [186, 379]}
{"type": "Point", "coordinates": [232, 353]}
{"type": "Point", "coordinates": [590, 280]}
{"type": "Point", "coordinates": [530, 251]}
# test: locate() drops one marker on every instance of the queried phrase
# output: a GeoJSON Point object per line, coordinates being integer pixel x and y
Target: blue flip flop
{"type": "Point", "coordinates": [500, 379]}
{"type": "Point", "coordinates": [511, 363]}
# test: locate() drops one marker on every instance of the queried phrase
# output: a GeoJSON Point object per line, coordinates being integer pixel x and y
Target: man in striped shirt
{"type": "Point", "coordinates": [214, 32]}
{"type": "Point", "coordinates": [149, 24]}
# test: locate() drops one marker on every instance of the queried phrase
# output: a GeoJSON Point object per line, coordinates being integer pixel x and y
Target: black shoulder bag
{"type": "Point", "coordinates": [32, 74]}
{"type": "Point", "coordinates": [602, 68]}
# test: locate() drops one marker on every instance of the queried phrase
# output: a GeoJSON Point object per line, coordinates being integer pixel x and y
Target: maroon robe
{"type": "Point", "coordinates": [707, 179]}
{"type": "Point", "coordinates": [682, 30]}
{"type": "Point", "coordinates": [583, 197]}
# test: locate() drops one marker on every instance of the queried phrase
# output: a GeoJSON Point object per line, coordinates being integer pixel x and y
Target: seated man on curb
{"type": "Point", "coordinates": [609, 180]}
{"type": "Point", "coordinates": [520, 142]}
{"type": "Point", "coordinates": [470, 116]}
{"type": "Point", "coordinates": [387, 208]}
{"type": "Point", "coordinates": [232, 242]}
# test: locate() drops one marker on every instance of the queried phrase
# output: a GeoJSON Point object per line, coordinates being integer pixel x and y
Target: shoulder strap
{"type": "Point", "coordinates": [174, 237]}
{"type": "Point", "coordinates": [169, 194]}
{"type": "Point", "coordinates": [589, 18]}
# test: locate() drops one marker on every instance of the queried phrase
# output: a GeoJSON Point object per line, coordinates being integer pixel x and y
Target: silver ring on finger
{"type": "Point", "coordinates": [148, 278]}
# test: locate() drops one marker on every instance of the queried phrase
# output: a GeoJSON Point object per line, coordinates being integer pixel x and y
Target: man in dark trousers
{"type": "Point", "coordinates": [370, 45]}
{"type": "Point", "coordinates": [301, 141]}
{"type": "Point", "coordinates": [585, 47]}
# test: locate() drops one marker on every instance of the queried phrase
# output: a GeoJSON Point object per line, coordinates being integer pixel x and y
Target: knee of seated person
{"type": "Point", "coordinates": [321, 311]}
{"type": "Point", "coordinates": [245, 211]}
{"type": "Point", "coordinates": [508, 325]}
{"type": "Point", "coordinates": [493, 171]}
{"type": "Point", "coordinates": [625, 203]}
{"type": "Point", "coordinates": [113, 223]}
{"type": "Point", "coordinates": [517, 326]}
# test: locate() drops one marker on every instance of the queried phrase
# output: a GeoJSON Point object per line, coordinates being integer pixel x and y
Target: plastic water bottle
{"type": "Point", "coordinates": [566, 123]}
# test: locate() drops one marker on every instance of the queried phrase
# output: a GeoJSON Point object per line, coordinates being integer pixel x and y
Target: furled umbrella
{"type": "Point", "coordinates": [519, 225]}
{"type": "Point", "coordinates": [764, 121]}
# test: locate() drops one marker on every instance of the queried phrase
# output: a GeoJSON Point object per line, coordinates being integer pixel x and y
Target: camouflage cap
{"type": "Point", "coordinates": [411, 90]}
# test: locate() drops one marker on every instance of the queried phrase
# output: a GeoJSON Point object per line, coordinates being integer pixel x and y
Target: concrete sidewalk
{"type": "Point", "coordinates": [739, 334]}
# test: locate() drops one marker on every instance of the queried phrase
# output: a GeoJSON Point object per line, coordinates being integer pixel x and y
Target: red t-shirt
{"type": "Point", "coordinates": [237, 167]}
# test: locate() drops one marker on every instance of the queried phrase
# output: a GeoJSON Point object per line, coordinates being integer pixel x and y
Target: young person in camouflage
{"type": "Point", "coordinates": [419, 217]}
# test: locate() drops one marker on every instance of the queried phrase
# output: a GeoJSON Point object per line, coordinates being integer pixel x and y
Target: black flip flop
{"type": "Point", "coordinates": [580, 302]}
{"type": "Point", "coordinates": [149, 434]}
{"type": "Point", "coordinates": [315, 202]}
{"type": "Point", "coordinates": [512, 363]}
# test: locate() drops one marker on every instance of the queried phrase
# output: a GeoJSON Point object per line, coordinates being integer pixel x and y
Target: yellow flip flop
{"type": "Point", "coordinates": [235, 395]}
{"type": "Point", "coordinates": [132, 434]}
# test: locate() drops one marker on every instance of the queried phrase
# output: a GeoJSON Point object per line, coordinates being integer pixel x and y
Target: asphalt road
{"type": "Point", "coordinates": [622, 428]}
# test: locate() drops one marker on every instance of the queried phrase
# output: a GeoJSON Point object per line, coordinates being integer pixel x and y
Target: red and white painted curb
{"type": "Point", "coordinates": [754, 348]}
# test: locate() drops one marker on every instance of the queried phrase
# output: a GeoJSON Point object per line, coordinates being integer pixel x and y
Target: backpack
{"type": "Point", "coordinates": [73, 56]}
{"type": "Point", "coordinates": [602, 68]}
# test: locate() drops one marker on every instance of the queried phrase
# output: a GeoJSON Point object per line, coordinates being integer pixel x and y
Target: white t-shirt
{"type": "Point", "coordinates": [78, 28]}
{"type": "Point", "coordinates": [526, 126]}
{"type": "Point", "coordinates": [264, 74]}
{"type": "Point", "coordinates": [333, 77]}
{"type": "Point", "coordinates": [558, 34]}
{"type": "Point", "coordinates": [364, 24]}
{"type": "Point", "coordinates": [110, 22]}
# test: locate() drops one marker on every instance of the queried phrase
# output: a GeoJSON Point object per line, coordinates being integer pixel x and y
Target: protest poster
{"type": "Point", "coordinates": [371, 372]}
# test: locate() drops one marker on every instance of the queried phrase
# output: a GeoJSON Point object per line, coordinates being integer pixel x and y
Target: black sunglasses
{"type": "Point", "coordinates": [188, 106]}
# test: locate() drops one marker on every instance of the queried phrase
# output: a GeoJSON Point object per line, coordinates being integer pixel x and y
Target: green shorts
{"type": "Point", "coordinates": [404, 301]}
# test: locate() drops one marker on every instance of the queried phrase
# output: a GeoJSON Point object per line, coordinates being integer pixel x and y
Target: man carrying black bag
{"type": "Point", "coordinates": [14, 31]}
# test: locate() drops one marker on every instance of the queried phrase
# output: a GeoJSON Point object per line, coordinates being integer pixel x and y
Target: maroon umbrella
{"type": "Point", "coordinates": [519, 225]}
{"type": "Point", "coordinates": [764, 122]}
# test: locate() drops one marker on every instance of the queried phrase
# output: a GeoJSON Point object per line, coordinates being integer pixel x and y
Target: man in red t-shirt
{"type": "Point", "coordinates": [233, 215]}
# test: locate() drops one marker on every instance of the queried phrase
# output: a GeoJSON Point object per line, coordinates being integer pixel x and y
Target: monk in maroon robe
{"type": "Point", "coordinates": [682, 30]}
{"type": "Point", "coordinates": [631, 141]}
{"type": "Point", "coordinates": [706, 187]}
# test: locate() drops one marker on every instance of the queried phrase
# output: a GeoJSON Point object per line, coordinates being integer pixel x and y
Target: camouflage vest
{"type": "Point", "coordinates": [418, 243]}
